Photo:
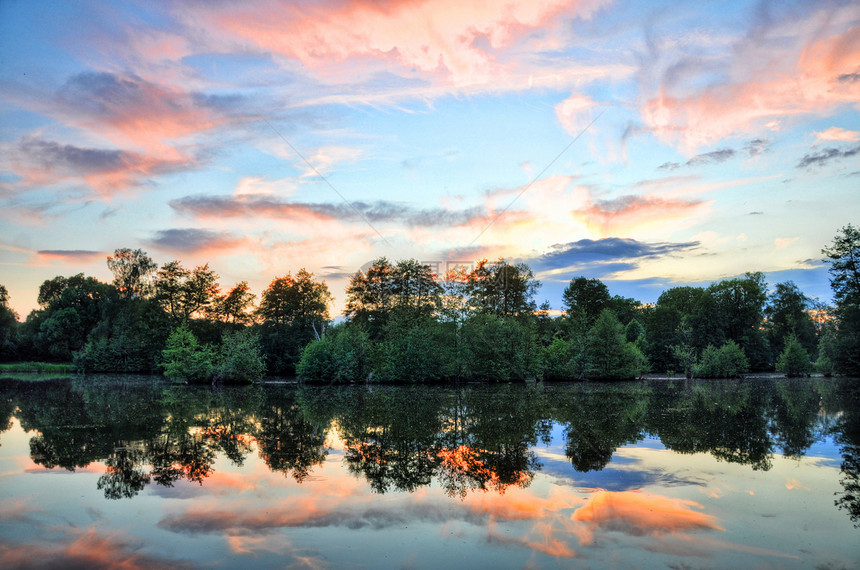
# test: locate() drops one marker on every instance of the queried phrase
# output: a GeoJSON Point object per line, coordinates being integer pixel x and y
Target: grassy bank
{"type": "Point", "coordinates": [38, 367]}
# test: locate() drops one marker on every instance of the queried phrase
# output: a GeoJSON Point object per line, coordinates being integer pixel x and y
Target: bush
{"type": "Point", "coordinates": [184, 359]}
{"type": "Point", "coordinates": [341, 356]}
{"type": "Point", "coordinates": [241, 360]}
{"type": "Point", "coordinates": [498, 349]}
{"type": "Point", "coordinates": [560, 360]}
{"type": "Point", "coordinates": [423, 351]}
{"type": "Point", "coordinates": [728, 361]}
{"type": "Point", "coordinates": [794, 360]}
{"type": "Point", "coordinates": [608, 353]}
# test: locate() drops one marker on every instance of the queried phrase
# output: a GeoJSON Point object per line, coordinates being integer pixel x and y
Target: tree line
{"type": "Point", "coordinates": [403, 323]}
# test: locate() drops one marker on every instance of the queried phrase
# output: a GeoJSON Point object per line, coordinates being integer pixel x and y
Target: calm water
{"type": "Point", "coordinates": [118, 471]}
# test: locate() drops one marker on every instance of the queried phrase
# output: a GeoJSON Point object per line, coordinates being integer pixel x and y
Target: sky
{"type": "Point", "coordinates": [647, 144]}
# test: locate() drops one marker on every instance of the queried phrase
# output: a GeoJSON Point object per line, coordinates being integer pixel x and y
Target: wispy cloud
{"type": "Point", "coordinates": [194, 240]}
{"type": "Point", "coordinates": [107, 171]}
{"type": "Point", "coordinates": [377, 211]}
{"type": "Point", "coordinates": [816, 159]}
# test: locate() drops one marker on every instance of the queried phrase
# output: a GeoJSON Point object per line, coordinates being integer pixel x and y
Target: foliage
{"type": "Point", "coordinates": [240, 358]}
{"type": "Point", "coordinates": [501, 289]}
{"type": "Point", "coordinates": [794, 360]}
{"type": "Point", "coordinates": [609, 355]}
{"type": "Point", "coordinates": [8, 328]}
{"type": "Point", "coordinates": [341, 356]}
{"type": "Point", "coordinates": [844, 259]}
{"type": "Point", "coordinates": [562, 360]}
{"type": "Point", "coordinates": [132, 271]}
{"type": "Point", "coordinates": [585, 299]}
{"type": "Point", "coordinates": [497, 349]}
{"type": "Point", "coordinates": [827, 347]}
{"type": "Point", "coordinates": [294, 312]}
{"type": "Point", "coordinates": [184, 293]}
{"type": "Point", "coordinates": [184, 359]}
{"type": "Point", "coordinates": [728, 361]}
{"type": "Point", "coordinates": [787, 316]}
{"type": "Point", "coordinates": [422, 351]}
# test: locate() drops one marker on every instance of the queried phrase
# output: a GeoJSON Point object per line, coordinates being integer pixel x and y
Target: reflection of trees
{"type": "Point", "coordinates": [389, 436]}
{"type": "Point", "coordinates": [795, 408]}
{"type": "Point", "coordinates": [847, 434]}
{"type": "Point", "coordinates": [287, 441]}
{"type": "Point", "coordinates": [599, 418]}
{"type": "Point", "coordinates": [481, 438]}
{"type": "Point", "coordinates": [725, 418]}
{"type": "Point", "coordinates": [403, 437]}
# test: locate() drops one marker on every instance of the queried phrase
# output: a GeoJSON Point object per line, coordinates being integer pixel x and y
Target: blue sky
{"type": "Point", "coordinates": [646, 144]}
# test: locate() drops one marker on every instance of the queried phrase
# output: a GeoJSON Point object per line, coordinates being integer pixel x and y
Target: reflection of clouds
{"type": "Point", "coordinates": [638, 513]}
{"type": "Point", "coordinates": [558, 524]}
{"type": "Point", "coordinates": [87, 548]}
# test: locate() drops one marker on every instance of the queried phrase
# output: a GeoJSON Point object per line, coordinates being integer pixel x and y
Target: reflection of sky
{"type": "Point", "coordinates": [649, 506]}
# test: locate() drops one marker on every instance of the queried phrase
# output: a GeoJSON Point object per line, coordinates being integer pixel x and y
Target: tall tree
{"type": "Point", "coordinates": [584, 299]}
{"type": "Point", "coordinates": [844, 259]}
{"type": "Point", "coordinates": [236, 305]}
{"type": "Point", "coordinates": [295, 300]}
{"type": "Point", "coordinates": [370, 295]}
{"type": "Point", "coordinates": [132, 271]}
{"type": "Point", "coordinates": [502, 289]}
{"type": "Point", "coordinates": [787, 316]}
{"type": "Point", "coordinates": [8, 327]}
{"type": "Point", "coordinates": [415, 288]}
{"type": "Point", "coordinates": [182, 292]}
{"type": "Point", "coordinates": [294, 311]}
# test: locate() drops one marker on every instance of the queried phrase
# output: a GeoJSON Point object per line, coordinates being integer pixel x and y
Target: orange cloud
{"type": "Point", "coordinates": [642, 513]}
{"type": "Point", "coordinates": [627, 214]}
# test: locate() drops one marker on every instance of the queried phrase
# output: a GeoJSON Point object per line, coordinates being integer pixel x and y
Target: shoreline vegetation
{"type": "Point", "coordinates": [405, 324]}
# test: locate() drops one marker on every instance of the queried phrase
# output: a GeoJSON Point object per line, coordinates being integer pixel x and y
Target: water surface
{"type": "Point", "coordinates": [108, 471]}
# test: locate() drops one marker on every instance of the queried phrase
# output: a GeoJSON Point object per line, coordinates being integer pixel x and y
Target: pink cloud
{"type": "Point", "coordinates": [457, 41]}
{"type": "Point", "coordinates": [41, 162]}
{"type": "Point", "coordinates": [837, 134]}
{"type": "Point", "coordinates": [809, 70]}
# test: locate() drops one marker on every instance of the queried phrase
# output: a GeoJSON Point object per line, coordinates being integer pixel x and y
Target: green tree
{"type": "Point", "coordinates": [184, 359]}
{"type": "Point", "coordinates": [827, 348]}
{"type": "Point", "coordinates": [498, 349]}
{"type": "Point", "coordinates": [341, 356]}
{"type": "Point", "coordinates": [415, 289]}
{"type": "Point", "coordinates": [794, 360]}
{"type": "Point", "coordinates": [370, 296]}
{"type": "Point", "coordinates": [294, 311]}
{"type": "Point", "coordinates": [185, 293]}
{"type": "Point", "coordinates": [609, 355]}
{"type": "Point", "coordinates": [844, 259]}
{"type": "Point", "coordinates": [739, 306]}
{"type": "Point", "coordinates": [787, 316]}
{"type": "Point", "coordinates": [584, 299]}
{"type": "Point", "coordinates": [502, 289]}
{"type": "Point", "coordinates": [728, 361]}
{"type": "Point", "coordinates": [240, 359]}
{"type": "Point", "coordinates": [8, 328]}
{"type": "Point", "coordinates": [132, 271]}
{"type": "Point", "coordinates": [71, 308]}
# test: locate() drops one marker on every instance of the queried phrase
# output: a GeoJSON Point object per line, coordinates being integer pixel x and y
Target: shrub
{"type": "Point", "coordinates": [241, 360]}
{"type": "Point", "coordinates": [728, 361]}
{"type": "Point", "coordinates": [341, 356]}
{"type": "Point", "coordinates": [794, 360]}
{"type": "Point", "coordinates": [184, 359]}
{"type": "Point", "coordinates": [608, 353]}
